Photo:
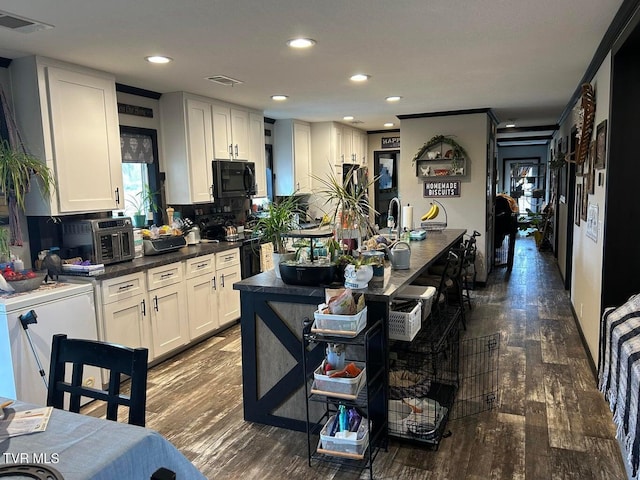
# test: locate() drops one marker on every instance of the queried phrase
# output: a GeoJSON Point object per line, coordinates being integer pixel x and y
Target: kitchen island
{"type": "Point", "coordinates": [272, 322]}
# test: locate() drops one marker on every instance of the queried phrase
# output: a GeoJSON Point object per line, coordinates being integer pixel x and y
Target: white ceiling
{"type": "Point", "coordinates": [523, 59]}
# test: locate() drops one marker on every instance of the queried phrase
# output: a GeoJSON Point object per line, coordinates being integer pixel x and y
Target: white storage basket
{"type": "Point", "coordinates": [340, 325]}
{"type": "Point", "coordinates": [420, 292]}
{"type": "Point", "coordinates": [339, 386]}
{"type": "Point", "coordinates": [405, 325]}
{"type": "Point", "coordinates": [344, 446]}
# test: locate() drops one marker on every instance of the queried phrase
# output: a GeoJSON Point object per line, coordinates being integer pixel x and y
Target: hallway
{"type": "Point", "coordinates": [551, 423]}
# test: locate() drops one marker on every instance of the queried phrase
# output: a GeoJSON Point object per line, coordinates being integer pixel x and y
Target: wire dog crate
{"type": "Point", "coordinates": [431, 383]}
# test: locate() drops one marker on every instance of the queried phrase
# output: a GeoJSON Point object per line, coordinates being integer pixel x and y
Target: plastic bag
{"type": "Point", "coordinates": [340, 301]}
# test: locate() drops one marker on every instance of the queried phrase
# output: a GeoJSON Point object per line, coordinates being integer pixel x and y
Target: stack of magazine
{"type": "Point", "coordinates": [83, 270]}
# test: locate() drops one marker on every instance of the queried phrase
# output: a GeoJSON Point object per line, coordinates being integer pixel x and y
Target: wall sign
{"type": "Point", "coordinates": [390, 142]}
{"type": "Point", "coordinates": [441, 189]}
{"type": "Point", "coordinates": [135, 110]}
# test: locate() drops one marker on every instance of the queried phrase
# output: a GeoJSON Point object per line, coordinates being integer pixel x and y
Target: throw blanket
{"type": "Point", "coordinates": [619, 373]}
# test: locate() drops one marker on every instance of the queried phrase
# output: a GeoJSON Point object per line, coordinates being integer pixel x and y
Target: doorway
{"type": "Point", "coordinates": [385, 169]}
{"type": "Point", "coordinates": [526, 179]}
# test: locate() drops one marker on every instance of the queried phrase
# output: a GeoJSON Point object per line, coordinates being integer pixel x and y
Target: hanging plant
{"type": "Point", "coordinates": [458, 150]}
{"type": "Point", "coordinates": [558, 160]}
{"type": "Point", "coordinates": [17, 170]}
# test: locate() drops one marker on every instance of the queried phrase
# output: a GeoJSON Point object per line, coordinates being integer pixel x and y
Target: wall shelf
{"type": "Point", "coordinates": [441, 168]}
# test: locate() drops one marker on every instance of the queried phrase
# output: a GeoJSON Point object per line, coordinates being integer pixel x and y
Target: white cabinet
{"type": "Point", "coordinates": [169, 328]}
{"type": "Point", "coordinates": [202, 296]}
{"type": "Point", "coordinates": [230, 133]}
{"type": "Point", "coordinates": [326, 152]}
{"type": "Point", "coordinates": [292, 157]}
{"type": "Point", "coordinates": [354, 146]}
{"type": "Point", "coordinates": [188, 148]}
{"type": "Point", "coordinates": [257, 152]}
{"type": "Point", "coordinates": [227, 273]}
{"type": "Point", "coordinates": [124, 312]}
{"type": "Point", "coordinates": [68, 117]}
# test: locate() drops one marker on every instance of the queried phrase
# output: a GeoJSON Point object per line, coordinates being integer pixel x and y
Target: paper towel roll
{"type": "Point", "coordinates": [407, 218]}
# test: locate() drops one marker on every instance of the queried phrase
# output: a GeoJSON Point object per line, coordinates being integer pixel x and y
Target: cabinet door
{"type": "Point", "coordinates": [228, 298]}
{"type": "Point", "coordinates": [200, 149]}
{"type": "Point", "coordinates": [202, 305]}
{"type": "Point", "coordinates": [347, 145]}
{"type": "Point", "coordinates": [257, 152]}
{"type": "Point", "coordinates": [240, 134]}
{"type": "Point", "coordinates": [222, 143]}
{"type": "Point", "coordinates": [302, 157]}
{"type": "Point", "coordinates": [169, 329]}
{"type": "Point", "coordinates": [86, 141]}
{"type": "Point", "coordinates": [125, 323]}
{"type": "Point", "coordinates": [339, 145]}
{"type": "Point", "coordinates": [358, 152]}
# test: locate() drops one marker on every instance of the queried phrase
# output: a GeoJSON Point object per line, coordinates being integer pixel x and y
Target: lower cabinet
{"type": "Point", "coordinates": [227, 273]}
{"type": "Point", "coordinates": [167, 307]}
{"type": "Point", "coordinates": [202, 295]}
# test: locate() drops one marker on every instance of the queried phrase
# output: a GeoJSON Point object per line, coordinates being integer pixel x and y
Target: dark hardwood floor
{"type": "Point", "coordinates": [551, 421]}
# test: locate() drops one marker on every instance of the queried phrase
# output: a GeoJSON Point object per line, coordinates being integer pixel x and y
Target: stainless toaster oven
{"type": "Point", "coordinates": [104, 240]}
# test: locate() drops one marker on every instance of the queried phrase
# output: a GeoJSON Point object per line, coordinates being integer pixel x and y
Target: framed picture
{"type": "Point", "coordinates": [578, 208]}
{"type": "Point", "coordinates": [585, 199]}
{"type": "Point", "coordinates": [601, 145]}
{"type": "Point", "coordinates": [592, 222]}
{"type": "Point", "coordinates": [591, 179]}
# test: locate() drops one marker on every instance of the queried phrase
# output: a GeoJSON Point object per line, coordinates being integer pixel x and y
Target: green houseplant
{"type": "Point", "coordinates": [280, 218]}
{"type": "Point", "coordinates": [142, 202]}
{"type": "Point", "coordinates": [18, 170]}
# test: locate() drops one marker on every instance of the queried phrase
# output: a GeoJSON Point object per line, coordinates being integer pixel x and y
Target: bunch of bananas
{"type": "Point", "coordinates": [432, 213]}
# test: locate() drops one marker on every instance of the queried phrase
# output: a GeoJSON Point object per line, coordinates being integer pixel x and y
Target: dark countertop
{"type": "Point", "coordinates": [423, 254]}
{"type": "Point", "coordinates": [151, 261]}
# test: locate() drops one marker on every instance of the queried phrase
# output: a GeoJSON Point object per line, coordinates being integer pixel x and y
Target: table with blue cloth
{"type": "Point", "coordinates": [84, 447]}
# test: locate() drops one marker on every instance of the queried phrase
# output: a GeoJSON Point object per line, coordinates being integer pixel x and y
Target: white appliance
{"type": "Point", "coordinates": [60, 308]}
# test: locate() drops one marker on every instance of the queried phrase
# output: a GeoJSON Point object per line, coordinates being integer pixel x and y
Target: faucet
{"type": "Point", "coordinates": [397, 222]}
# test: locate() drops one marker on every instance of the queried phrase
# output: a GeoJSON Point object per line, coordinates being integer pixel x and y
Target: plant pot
{"type": "Point", "coordinates": [139, 221]}
{"type": "Point", "coordinates": [281, 257]}
{"type": "Point", "coordinates": [357, 277]}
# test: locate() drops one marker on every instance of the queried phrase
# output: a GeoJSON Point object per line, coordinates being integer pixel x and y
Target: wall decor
{"type": "Point", "coordinates": [585, 200]}
{"type": "Point", "coordinates": [135, 110]}
{"type": "Point", "coordinates": [390, 142]}
{"type": "Point", "coordinates": [578, 206]}
{"type": "Point", "coordinates": [442, 189]}
{"type": "Point", "coordinates": [601, 145]}
{"type": "Point", "coordinates": [592, 222]}
{"type": "Point", "coordinates": [587, 115]}
{"type": "Point", "coordinates": [591, 177]}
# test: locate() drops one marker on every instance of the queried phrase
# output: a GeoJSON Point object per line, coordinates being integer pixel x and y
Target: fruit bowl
{"type": "Point", "coordinates": [27, 284]}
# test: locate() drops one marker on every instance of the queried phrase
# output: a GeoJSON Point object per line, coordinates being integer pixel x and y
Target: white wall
{"type": "Point", "coordinates": [587, 254]}
{"type": "Point", "coordinates": [469, 210]}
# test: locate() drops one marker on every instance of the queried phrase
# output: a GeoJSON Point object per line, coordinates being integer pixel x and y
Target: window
{"type": "Point", "coordinates": [139, 169]}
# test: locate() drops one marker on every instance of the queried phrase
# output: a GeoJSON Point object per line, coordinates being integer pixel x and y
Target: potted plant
{"type": "Point", "coordinates": [18, 170]}
{"type": "Point", "coordinates": [351, 208]}
{"type": "Point", "coordinates": [142, 202]}
{"type": "Point", "coordinates": [272, 227]}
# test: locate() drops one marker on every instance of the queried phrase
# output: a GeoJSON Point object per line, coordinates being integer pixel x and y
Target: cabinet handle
{"type": "Point", "coordinates": [166, 275]}
{"type": "Point", "coordinates": [201, 265]}
{"type": "Point", "coordinates": [222, 280]}
{"type": "Point", "coordinates": [213, 281]}
{"type": "Point", "coordinates": [125, 287]}
{"type": "Point", "coordinates": [212, 191]}
{"type": "Point", "coordinates": [155, 303]}
{"type": "Point", "coordinates": [117, 195]}
{"type": "Point", "coordinates": [231, 150]}
{"type": "Point", "coordinates": [236, 150]}
{"type": "Point", "coordinates": [144, 308]}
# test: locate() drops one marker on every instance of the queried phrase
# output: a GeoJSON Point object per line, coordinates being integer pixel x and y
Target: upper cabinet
{"type": "Point", "coordinates": [257, 152]}
{"type": "Point", "coordinates": [230, 133]}
{"type": "Point", "coordinates": [354, 146]}
{"type": "Point", "coordinates": [197, 130]}
{"type": "Point", "coordinates": [188, 147]}
{"type": "Point", "coordinates": [67, 116]}
{"type": "Point", "coordinates": [292, 157]}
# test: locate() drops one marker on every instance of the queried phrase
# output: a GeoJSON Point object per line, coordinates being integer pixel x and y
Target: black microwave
{"type": "Point", "coordinates": [233, 179]}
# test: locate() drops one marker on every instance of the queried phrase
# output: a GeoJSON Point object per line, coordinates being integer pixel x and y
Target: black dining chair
{"type": "Point", "coordinates": [117, 359]}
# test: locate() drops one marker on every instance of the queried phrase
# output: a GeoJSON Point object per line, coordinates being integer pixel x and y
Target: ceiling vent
{"type": "Point", "coordinates": [224, 80]}
{"type": "Point", "coordinates": [21, 24]}
{"type": "Point", "coordinates": [356, 122]}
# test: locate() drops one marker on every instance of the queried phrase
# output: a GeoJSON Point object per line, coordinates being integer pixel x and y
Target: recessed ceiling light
{"type": "Point", "coordinates": [348, 117]}
{"type": "Point", "coordinates": [360, 77]}
{"type": "Point", "coordinates": [388, 124]}
{"type": "Point", "coordinates": [393, 98]}
{"type": "Point", "coordinates": [510, 125]}
{"type": "Point", "coordinates": [301, 42]}
{"type": "Point", "coordinates": [279, 98]}
{"type": "Point", "coordinates": [158, 59]}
